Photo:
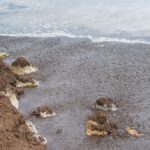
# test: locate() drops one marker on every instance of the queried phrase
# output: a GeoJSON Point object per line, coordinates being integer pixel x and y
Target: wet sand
{"type": "Point", "coordinates": [73, 73]}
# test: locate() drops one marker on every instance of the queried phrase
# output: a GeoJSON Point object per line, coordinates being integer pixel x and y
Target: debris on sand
{"type": "Point", "coordinates": [14, 133]}
{"type": "Point", "coordinates": [43, 112]}
{"type": "Point", "coordinates": [133, 132]}
{"type": "Point", "coordinates": [98, 125]}
{"type": "Point", "coordinates": [21, 66]}
{"type": "Point", "coordinates": [33, 129]}
{"type": "Point", "coordinates": [3, 55]}
{"type": "Point", "coordinates": [104, 104]}
{"type": "Point", "coordinates": [28, 84]}
{"type": "Point", "coordinates": [25, 81]}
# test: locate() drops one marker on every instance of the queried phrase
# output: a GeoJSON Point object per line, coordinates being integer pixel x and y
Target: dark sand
{"type": "Point", "coordinates": [73, 73]}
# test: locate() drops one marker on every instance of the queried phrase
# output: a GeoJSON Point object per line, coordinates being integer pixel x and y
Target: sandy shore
{"type": "Point", "coordinates": [72, 74]}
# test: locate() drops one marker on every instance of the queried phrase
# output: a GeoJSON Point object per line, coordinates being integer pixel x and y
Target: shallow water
{"type": "Point", "coordinates": [97, 19]}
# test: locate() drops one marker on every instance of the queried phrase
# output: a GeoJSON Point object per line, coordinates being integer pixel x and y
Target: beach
{"type": "Point", "coordinates": [72, 74]}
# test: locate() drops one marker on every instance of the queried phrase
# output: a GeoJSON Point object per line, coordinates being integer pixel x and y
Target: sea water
{"type": "Point", "coordinates": [99, 20]}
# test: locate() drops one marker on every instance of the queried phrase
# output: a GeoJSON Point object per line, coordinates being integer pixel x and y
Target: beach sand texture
{"type": "Point", "coordinates": [73, 73]}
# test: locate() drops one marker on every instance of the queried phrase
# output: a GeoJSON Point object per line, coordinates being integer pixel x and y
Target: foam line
{"type": "Point", "coordinates": [64, 34]}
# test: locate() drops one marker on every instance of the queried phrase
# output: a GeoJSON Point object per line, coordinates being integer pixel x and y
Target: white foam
{"type": "Point", "coordinates": [120, 40]}
{"type": "Point", "coordinates": [66, 34]}
{"type": "Point", "coordinates": [33, 129]}
{"type": "Point", "coordinates": [12, 97]}
{"type": "Point", "coordinates": [105, 107]}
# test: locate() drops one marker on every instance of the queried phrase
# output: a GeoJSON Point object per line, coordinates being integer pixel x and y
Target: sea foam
{"type": "Point", "coordinates": [70, 35]}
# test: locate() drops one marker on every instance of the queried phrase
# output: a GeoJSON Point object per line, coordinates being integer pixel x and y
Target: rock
{"type": "Point", "coordinates": [133, 132]}
{"type": "Point", "coordinates": [3, 55]}
{"type": "Point", "coordinates": [25, 78]}
{"type": "Point", "coordinates": [43, 112]}
{"type": "Point", "coordinates": [25, 81]}
{"type": "Point", "coordinates": [104, 101]}
{"type": "Point", "coordinates": [24, 70]}
{"type": "Point", "coordinates": [21, 66]}
{"type": "Point", "coordinates": [20, 62]}
{"type": "Point", "coordinates": [100, 117]}
{"type": "Point", "coordinates": [98, 125]}
{"type": "Point", "coordinates": [27, 84]}
{"type": "Point", "coordinates": [104, 104]}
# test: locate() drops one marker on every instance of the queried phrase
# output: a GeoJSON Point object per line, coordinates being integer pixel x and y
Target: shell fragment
{"type": "Point", "coordinates": [133, 132]}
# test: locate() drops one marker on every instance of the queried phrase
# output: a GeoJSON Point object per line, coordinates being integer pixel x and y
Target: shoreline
{"type": "Point", "coordinates": [72, 74]}
{"type": "Point", "coordinates": [89, 37]}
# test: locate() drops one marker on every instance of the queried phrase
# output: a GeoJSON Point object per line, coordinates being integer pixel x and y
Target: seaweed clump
{"type": "Point", "coordinates": [26, 81]}
{"type": "Point", "coordinates": [21, 66]}
{"type": "Point", "coordinates": [98, 125]}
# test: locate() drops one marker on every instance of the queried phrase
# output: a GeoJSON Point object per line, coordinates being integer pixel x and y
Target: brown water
{"type": "Point", "coordinates": [73, 73]}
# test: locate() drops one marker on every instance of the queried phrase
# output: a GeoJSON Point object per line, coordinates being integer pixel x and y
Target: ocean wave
{"type": "Point", "coordinates": [8, 6]}
{"type": "Point", "coordinates": [64, 34]}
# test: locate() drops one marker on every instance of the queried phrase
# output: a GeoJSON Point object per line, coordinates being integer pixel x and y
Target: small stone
{"type": "Point", "coordinates": [104, 104]}
{"type": "Point", "coordinates": [43, 112]}
{"type": "Point", "coordinates": [20, 62]}
{"type": "Point", "coordinates": [133, 132]}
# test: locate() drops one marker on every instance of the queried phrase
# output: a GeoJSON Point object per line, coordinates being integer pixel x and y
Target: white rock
{"type": "Point", "coordinates": [33, 129]}
{"type": "Point", "coordinates": [45, 114]}
{"type": "Point", "coordinates": [24, 70]}
{"type": "Point", "coordinates": [12, 97]}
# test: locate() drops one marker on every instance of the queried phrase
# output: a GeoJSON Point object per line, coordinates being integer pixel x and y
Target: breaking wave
{"type": "Point", "coordinates": [64, 34]}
